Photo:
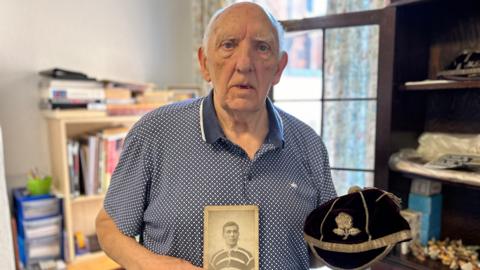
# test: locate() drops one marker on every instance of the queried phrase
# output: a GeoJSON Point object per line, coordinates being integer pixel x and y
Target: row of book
{"type": "Point", "coordinates": [113, 97]}
{"type": "Point", "coordinates": [92, 159]}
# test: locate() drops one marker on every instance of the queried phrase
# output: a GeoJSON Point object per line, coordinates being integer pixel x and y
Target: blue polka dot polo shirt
{"type": "Point", "coordinates": [176, 160]}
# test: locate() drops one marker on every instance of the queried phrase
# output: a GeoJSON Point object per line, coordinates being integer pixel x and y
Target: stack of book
{"type": "Point", "coordinates": [64, 89]}
{"type": "Point", "coordinates": [150, 99]}
{"type": "Point", "coordinates": [71, 94]}
{"type": "Point", "coordinates": [92, 159]}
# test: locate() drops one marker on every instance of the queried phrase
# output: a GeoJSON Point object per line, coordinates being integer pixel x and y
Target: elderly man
{"type": "Point", "coordinates": [232, 147]}
{"type": "Point", "coordinates": [231, 257]}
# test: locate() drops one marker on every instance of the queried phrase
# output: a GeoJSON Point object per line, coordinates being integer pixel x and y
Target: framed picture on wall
{"type": "Point", "coordinates": [230, 237]}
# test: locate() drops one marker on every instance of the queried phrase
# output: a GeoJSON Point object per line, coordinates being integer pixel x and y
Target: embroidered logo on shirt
{"type": "Point", "coordinates": [294, 185]}
{"type": "Point", "coordinates": [345, 226]}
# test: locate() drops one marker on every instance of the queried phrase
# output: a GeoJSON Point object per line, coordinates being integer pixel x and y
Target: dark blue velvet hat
{"type": "Point", "coordinates": [357, 229]}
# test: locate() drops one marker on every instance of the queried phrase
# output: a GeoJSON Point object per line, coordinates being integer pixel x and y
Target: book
{"type": "Point", "coordinates": [132, 86]}
{"type": "Point", "coordinates": [73, 167]}
{"type": "Point", "coordinates": [61, 73]}
{"type": "Point", "coordinates": [72, 101]}
{"type": "Point", "coordinates": [45, 105]}
{"type": "Point", "coordinates": [92, 185]}
{"type": "Point", "coordinates": [113, 139]}
{"type": "Point", "coordinates": [163, 96]}
{"type": "Point", "coordinates": [72, 92]}
{"type": "Point", "coordinates": [132, 109]}
{"type": "Point", "coordinates": [84, 163]}
{"type": "Point", "coordinates": [183, 92]}
{"type": "Point", "coordinates": [51, 82]}
{"type": "Point", "coordinates": [117, 93]}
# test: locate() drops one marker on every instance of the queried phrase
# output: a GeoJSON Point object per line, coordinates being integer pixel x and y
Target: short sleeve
{"type": "Point", "coordinates": [126, 198]}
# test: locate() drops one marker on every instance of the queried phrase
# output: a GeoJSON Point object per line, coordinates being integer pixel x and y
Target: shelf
{"type": "Point", "coordinates": [410, 262]}
{"type": "Point", "coordinates": [89, 198]}
{"type": "Point", "coordinates": [93, 261]}
{"type": "Point", "coordinates": [80, 113]}
{"type": "Point", "coordinates": [89, 256]}
{"type": "Point", "coordinates": [443, 85]}
{"type": "Point", "coordinates": [407, 162]}
{"type": "Point", "coordinates": [86, 116]}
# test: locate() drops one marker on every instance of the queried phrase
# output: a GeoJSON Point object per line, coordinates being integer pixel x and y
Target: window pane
{"type": "Point", "coordinates": [302, 78]}
{"type": "Point", "coordinates": [345, 6]}
{"type": "Point", "coordinates": [298, 9]}
{"type": "Point", "coordinates": [351, 62]}
{"type": "Point", "coordinates": [343, 180]}
{"type": "Point", "coordinates": [349, 133]}
{"type": "Point", "coordinates": [294, 9]}
{"type": "Point", "coordinates": [309, 112]}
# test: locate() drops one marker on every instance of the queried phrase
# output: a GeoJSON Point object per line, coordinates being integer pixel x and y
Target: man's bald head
{"type": "Point", "coordinates": [277, 27]}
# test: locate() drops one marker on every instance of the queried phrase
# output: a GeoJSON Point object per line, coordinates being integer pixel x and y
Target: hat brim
{"type": "Point", "coordinates": [350, 261]}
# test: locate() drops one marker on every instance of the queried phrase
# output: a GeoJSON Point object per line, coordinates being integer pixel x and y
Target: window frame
{"type": "Point", "coordinates": [385, 18]}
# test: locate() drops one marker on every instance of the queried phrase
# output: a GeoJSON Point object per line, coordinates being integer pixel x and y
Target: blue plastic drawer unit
{"type": "Point", "coordinates": [32, 207]}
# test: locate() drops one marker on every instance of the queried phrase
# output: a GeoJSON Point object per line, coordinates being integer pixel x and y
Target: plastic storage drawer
{"type": "Point", "coordinates": [31, 207]}
{"type": "Point", "coordinates": [34, 250]}
{"type": "Point", "coordinates": [51, 226]}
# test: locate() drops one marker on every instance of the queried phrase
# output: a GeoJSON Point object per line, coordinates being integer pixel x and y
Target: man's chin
{"type": "Point", "coordinates": [243, 106]}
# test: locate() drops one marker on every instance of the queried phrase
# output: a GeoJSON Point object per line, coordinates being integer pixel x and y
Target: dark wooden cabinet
{"type": "Point", "coordinates": [419, 38]}
{"type": "Point", "coordinates": [424, 37]}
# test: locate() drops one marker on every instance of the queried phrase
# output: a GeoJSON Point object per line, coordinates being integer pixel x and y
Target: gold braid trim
{"type": "Point", "coordinates": [325, 218]}
{"type": "Point", "coordinates": [366, 216]}
{"type": "Point", "coordinates": [365, 246]}
{"type": "Point", "coordinates": [362, 267]}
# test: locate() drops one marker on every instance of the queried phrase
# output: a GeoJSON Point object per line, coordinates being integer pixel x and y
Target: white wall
{"type": "Point", "coordinates": [140, 40]}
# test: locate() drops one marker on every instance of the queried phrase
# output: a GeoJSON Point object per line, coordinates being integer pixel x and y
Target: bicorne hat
{"type": "Point", "coordinates": [355, 230]}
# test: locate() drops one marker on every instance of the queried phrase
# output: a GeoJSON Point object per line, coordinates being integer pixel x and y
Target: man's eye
{"type": "Point", "coordinates": [263, 47]}
{"type": "Point", "coordinates": [228, 45]}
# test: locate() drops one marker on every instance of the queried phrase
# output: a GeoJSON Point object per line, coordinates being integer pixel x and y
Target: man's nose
{"type": "Point", "coordinates": [245, 59]}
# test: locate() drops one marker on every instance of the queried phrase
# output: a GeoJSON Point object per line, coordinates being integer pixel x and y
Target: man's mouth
{"type": "Point", "coordinates": [244, 86]}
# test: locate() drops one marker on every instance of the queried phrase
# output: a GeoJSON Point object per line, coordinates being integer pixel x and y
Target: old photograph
{"type": "Point", "coordinates": [231, 237]}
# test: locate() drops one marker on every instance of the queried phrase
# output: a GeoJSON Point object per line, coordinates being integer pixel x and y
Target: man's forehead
{"type": "Point", "coordinates": [224, 35]}
{"type": "Point", "coordinates": [238, 31]}
{"type": "Point", "coordinates": [234, 22]}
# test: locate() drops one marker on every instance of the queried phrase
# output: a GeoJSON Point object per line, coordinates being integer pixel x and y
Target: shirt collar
{"type": "Point", "coordinates": [211, 130]}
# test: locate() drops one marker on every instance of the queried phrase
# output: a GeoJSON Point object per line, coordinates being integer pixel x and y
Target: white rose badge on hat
{"type": "Point", "coordinates": [355, 230]}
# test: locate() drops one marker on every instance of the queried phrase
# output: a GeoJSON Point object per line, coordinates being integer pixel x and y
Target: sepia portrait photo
{"type": "Point", "coordinates": [231, 237]}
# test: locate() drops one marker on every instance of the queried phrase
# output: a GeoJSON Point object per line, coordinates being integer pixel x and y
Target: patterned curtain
{"type": "Point", "coordinates": [336, 7]}
{"type": "Point", "coordinates": [202, 10]}
{"type": "Point", "coordinates": [350, 73]}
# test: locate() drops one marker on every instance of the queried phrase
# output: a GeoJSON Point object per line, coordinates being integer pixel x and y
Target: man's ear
{"type": "Point", "coordinates": [202, 60]}
{"type": "Point", "coordinates": [282, 63]}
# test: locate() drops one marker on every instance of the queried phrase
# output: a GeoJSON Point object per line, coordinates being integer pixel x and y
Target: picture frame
{"type": "Point", "coordinates": [231, 237]}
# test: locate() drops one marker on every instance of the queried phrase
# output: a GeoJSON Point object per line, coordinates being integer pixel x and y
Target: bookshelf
{"type": "Point", "coordinates": [79, 212]}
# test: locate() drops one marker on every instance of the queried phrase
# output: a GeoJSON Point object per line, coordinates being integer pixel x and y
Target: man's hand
{"type": "Point", "coordinates": [130, 254]}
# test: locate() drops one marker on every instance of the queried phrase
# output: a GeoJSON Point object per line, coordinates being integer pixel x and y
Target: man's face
{"type": "Point", "coordinates": [242, 60]}
{"type": "Point", "coordinates": [231, 233]}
